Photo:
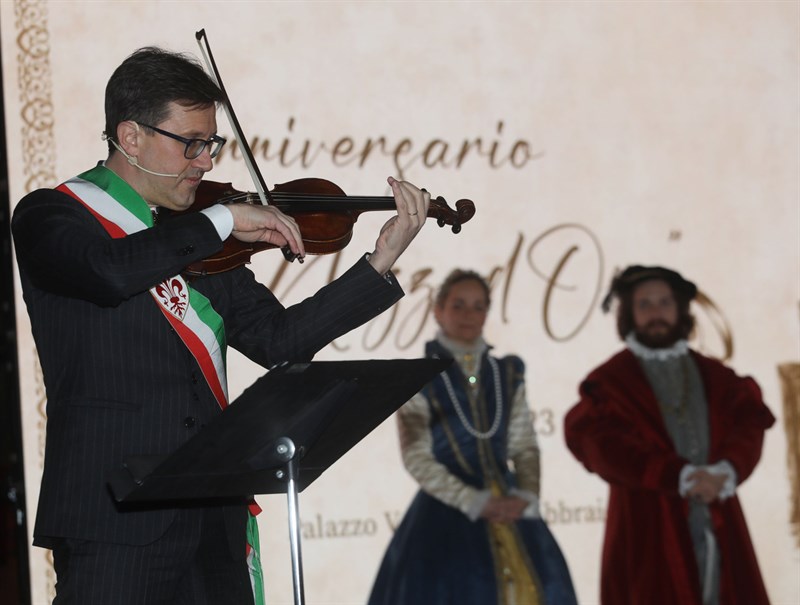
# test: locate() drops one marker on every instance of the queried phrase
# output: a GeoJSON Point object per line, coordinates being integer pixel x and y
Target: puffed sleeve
{"type": "Point", "coordinates": [738, 416]}
{"type": "Point", "coordinates": [416, 445]}
{"type": "Point", "coordinates": [523, 448]}
{"type": "Point", "coordinates": [609, 434]}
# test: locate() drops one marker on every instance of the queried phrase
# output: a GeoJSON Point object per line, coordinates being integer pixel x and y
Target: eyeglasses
{"type": "Point", "coordinates": [194, 147]}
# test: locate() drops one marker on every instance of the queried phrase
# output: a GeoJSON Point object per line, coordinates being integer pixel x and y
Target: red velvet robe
{"type": "Point", "coordinates": [616, 430]}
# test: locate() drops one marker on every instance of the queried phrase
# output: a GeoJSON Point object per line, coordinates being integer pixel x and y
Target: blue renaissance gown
{"type": "Point", "coordinates": [456, 441]}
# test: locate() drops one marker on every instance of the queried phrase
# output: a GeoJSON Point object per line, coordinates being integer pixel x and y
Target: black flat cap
{"type": "Point", "coordinates": [636, 274]}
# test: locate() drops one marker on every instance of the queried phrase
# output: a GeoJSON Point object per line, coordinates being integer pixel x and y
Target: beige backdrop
{"type": "Point", "coordinates": [590, 135]}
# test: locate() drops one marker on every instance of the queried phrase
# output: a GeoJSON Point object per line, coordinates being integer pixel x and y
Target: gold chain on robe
{"type": "Point", "coordinates": [516, 584]}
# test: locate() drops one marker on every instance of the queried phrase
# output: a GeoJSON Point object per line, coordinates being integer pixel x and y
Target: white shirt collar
{"type": "Point", "coordinates": [475, 348]}
{"type": "Point", "coordinates": [678, 349]}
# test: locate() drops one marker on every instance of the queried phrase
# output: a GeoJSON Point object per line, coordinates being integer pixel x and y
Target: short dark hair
{"type": "Point", "coordinates": [457, 276]}
{"type": "Point", "coordinates": [625, 323]}
{"type": "Point", "coordinates": [151, 78]}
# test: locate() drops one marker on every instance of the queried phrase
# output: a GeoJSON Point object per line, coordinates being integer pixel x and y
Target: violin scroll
{"type": "Point", "coordinates": [445, 215]}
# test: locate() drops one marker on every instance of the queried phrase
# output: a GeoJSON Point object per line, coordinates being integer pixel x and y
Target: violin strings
{"type": "Point", "coordinates": [318, 201]}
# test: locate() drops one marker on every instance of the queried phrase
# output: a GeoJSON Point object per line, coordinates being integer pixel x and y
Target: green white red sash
{"type": "Point", "coordinates": [122, 212]}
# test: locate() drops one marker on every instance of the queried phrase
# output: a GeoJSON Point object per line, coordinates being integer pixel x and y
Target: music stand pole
{"type": "Point", "coordinates": [294, 531]}
{"type": "Point", "coordinates": [286, 451]}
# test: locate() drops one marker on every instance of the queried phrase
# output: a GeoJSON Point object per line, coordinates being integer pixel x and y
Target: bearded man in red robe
{"type": "Point", "coordinates": [674, 433]}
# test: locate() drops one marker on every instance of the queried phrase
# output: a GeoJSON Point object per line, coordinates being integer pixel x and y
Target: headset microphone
{"type": "Point", "coordinates": [135, 163]}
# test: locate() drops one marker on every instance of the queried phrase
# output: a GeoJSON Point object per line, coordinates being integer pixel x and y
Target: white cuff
{"type": "Point", "coordinates": [532, 510]}
{"type": "Point", "coordinates": [723, 467]}
{"type": "Point", "coordinates": [684, 483]}
{"type": "Point", "coordinates": [477, 505]}
{"type": "Point", "coordinates": [222, 219]}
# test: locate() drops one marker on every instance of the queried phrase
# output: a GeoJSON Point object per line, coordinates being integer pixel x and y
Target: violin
{"type": "Point", "coordinates": [324, 214]}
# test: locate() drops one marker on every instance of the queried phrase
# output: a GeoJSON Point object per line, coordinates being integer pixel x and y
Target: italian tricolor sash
{"type": "Point", "coordinates": [121, 211]}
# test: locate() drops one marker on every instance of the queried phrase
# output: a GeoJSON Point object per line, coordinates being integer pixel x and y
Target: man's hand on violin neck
{"type": "Point", "coordinates": [397, 233]}
{"type": "Point", "coordinates": [256, 223]}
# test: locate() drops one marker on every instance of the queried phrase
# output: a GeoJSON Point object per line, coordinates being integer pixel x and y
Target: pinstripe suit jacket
{"type": "Point", "coordinates": [119, 380]}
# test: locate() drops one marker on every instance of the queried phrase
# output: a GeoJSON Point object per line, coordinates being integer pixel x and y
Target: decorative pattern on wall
{"type": "Point", "coordinates": [39, 164]}
{"type": "Point", "coordinates": [35, 90]}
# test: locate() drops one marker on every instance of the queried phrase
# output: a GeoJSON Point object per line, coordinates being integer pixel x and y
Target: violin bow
{"type": "Point", "coordinates": [255, 173]}
{"type": "Point", "coordinates": [250, 161]}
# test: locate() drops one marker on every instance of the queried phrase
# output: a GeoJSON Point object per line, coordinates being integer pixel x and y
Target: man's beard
{"type": "Point", "coordinates": [663, 339]}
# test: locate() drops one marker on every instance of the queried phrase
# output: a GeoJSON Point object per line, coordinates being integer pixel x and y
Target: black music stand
{"type": "Point", "coordinates": [278, 436]}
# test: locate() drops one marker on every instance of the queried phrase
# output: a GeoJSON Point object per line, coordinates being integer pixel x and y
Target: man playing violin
{"type": "Point", "coordinates": [133, 355]}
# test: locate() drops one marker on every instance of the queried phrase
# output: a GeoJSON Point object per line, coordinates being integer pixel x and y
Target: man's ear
{"type": "Point", "coordinates": [128, 133]}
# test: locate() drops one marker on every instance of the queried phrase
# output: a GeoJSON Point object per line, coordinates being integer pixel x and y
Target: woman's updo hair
{"type": "Point", "coordinates": [457, 276]}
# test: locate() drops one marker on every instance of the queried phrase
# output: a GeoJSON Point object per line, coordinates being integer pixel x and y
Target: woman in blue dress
{"type": "Point", "coordinates": [473, 534]}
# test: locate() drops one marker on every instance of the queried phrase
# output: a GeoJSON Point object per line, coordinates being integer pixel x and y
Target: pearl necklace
{"type": "Point", "coordinates": [498, 401]}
